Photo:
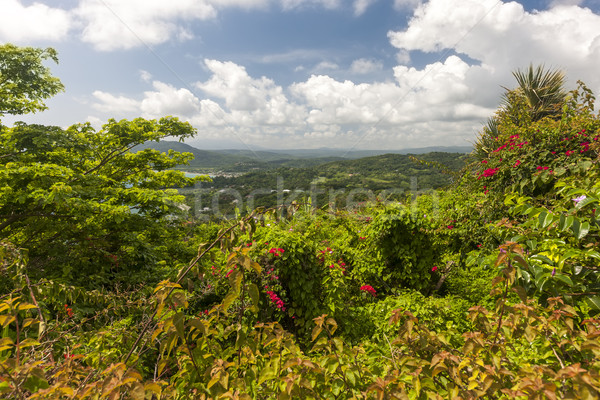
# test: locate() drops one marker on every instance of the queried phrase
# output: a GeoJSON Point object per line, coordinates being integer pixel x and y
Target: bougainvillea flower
{"type": "Point", "coordinates": [368, 288]}
{"type": "Point", "coordinates": [490, 172]}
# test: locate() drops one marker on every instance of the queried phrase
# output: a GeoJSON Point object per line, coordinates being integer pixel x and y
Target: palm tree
{"type": "Point", "coordinates": [540, 90]}
{"type": "Point", "coordinates": [540, 94]}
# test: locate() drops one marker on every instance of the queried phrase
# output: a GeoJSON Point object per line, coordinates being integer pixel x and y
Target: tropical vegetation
{"type": "Point", "coordinates": [488, 288]}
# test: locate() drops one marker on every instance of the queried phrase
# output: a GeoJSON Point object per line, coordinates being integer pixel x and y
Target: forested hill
{"type": "Point", "coordinates": [376, 173]}
{"type": "Point", "coordinates": [240, 161]}
{"type": "Point", "coordinates": [202, 158]}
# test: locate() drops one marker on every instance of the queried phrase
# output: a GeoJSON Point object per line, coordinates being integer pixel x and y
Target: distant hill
{"type": "Point", "coordinates": [237, 160]}
{"type": "Point", "coordinates": [202, 158]}
{"type": "Point", "coordinates": [352, 154]}
{"type": "Point", "coordinates": [376, 172]}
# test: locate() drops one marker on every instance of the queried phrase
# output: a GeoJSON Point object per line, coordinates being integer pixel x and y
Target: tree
{"type": "Point", "coordinates": [85, 207]}
{"type": "Point", "coordinates": [24, 81]}
{"type": "Point", "coordinates": [541, 89]}
{"type": "Point", "coordinates": [83, 204]}
{"type": "Point", "coordinates": [540, 94]}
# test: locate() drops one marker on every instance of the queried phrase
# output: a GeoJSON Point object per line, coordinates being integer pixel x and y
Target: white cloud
{"type": "Point", "coordinates": [167, 100]}
{"type": "Point", "coordinates": [293, 4]}
{"type": "Point", "coordinates": [251, 102]}
{"type": "Point", "coordinates": [503, 37]}
{"type": "Point", "coordinates": [95, 121]}
{"type": "Point", "coordinates": [360, 6]}
{"type": "Point", "coordinates": [116, 24]}
{"type": "Point", "coordinates": [555, 3]}
{"type": "Point", "coordinates": [145, 76]}
{"type": "Point", "coordinates": [444, 102]}
{"type": "Point", "coordinates": [19, 23]}
{"type": "Point", "coordinates": [111, 104]}
{"type": "Point", "coordinates": [365, 66]}
{"type": "Point", "coordinates": [294, 55]}
{"type": "Point", "coordinates": [403, 57]}
{"type": "Point", "coordinates": [326, 65]}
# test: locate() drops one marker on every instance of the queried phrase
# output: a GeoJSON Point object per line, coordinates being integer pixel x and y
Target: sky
{"type": "Point", "coordinates": [300, 74]}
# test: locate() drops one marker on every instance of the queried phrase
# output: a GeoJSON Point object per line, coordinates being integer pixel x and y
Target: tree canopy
{"type": "Point", "coordinates": [25, 82]}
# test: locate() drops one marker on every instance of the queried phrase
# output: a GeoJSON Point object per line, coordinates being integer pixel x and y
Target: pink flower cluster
{"type": "Point", "coordinates": [369, 289]}
{"type": "Point", "coordinates": [340, 264]}
{"type": "Point", "coordinates": [586, 147]}
{"type": "Point", "coordinates": [540, 168]}
{"type": "Point", "coordinates": [511, 144]}
{"type": "Point", "coordinates": [276, 300]}
{"type": "Point", "coordinates": [490, 172]}
{"type": "Point", "coordinates": [276, 252]}
{"type": "Point", "coordinates": [323, 252]}
{"type": "Point", "coordinates": [271, 274]}
{"type": "Point", "coordinates": [230, 271]}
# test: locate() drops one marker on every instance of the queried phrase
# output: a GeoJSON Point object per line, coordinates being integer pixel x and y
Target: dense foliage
{"type": "Point", "coordinates": [487, 289]}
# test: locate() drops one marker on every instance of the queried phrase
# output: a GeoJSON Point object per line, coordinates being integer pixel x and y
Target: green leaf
{"type": "Point", "coordinates": [235, 280]}
{"type": "Point", "coordinates": [229, 299]}
{"type": "Point", "coordinates": [35, 383]}
{"type": "Point", "coordinates": [542, 258]}
{"type": "Point", "coordinates": [178, 320]}
{"type": "Point", "coordinates": [565, 222]}
{"type": "Point", "coordinates": [29, 342]}
{"type": "Point", "coordinates": [580, 230]}
{"type": "Point", "coordinates": [254, 296]}
{"type": "Point", "coordinates": [593, 302]}
{"type": "Point", "coordinates": [564, 279]}
{"type": "Point", "coordinates": [545, 219]}
{"type": "Point", "coordinates": [585, 202]}
{"type": "Point", "coordinates": [560, 171]}
{"type": "Point", "coordinates": [267, 373]}
{"type": "Point", "coordinates": [542, 280]}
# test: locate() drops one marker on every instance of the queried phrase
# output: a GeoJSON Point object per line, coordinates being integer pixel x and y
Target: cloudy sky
{"type": "Point", "coordinates": [355, 74]}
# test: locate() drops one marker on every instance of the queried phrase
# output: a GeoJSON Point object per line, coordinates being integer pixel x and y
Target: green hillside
{"type": "Point", "coordinates": [204, 159]}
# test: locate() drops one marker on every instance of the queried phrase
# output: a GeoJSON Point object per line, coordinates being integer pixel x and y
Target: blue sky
{"type": "Point", "coordinates": [355, 74]}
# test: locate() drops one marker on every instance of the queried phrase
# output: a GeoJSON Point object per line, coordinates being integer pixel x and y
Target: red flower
{"type": "Point", "coordinates": [450, 227]}
{"type": "Point", "coordinates": [368, 288]}
{"type": "Point", "coordinates": [276, 252]}
{"type": "Point", "coordinates": [69, 311]}
{"type": "Point", "coordinates": [568, 153]}
{"type": "Point", "coordinates": [230, 272]}
{"type": "Point", "coordinates": [434, 269]}
{"type": "Point", "coordinates": [276, 300]}
{"type": "Point", "coordinates": [517, 163]}
{"type": "Point", "coordinates": [490, 172]}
